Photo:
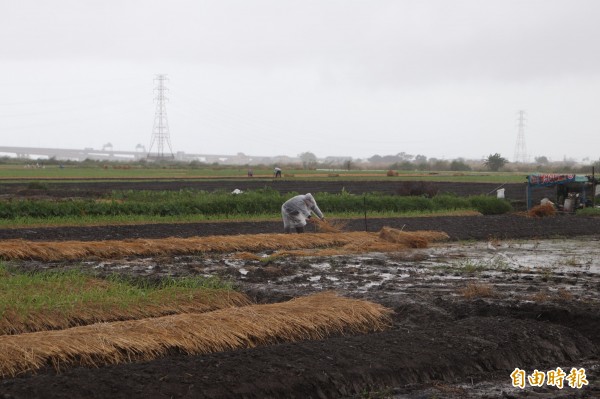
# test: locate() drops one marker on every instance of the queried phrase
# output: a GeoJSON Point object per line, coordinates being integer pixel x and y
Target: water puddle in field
{"type": "Point", "coordinates": [514, 266]}
{"type": "Point", "coordinates": [573, 255]}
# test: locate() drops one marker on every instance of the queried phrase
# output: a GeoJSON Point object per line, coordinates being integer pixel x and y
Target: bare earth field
{"type": "Point", "coordinates": [506, 292]}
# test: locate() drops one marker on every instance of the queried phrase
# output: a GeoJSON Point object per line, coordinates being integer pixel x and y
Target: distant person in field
{"type": "Point", "coordinates": [277, 172]}
{"type": "Point", "coordinates": [297, 210]}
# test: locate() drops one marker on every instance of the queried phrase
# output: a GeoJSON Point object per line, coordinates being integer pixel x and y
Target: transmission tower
{"type": "Point", "coordinates": [520, 148]}
{"type": "Point", "coordinates": [160, 131]}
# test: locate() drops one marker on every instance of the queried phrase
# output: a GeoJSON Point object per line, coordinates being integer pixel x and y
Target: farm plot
{"type": "Point", "coordinates": [466, 314]}
{"type": "Point", "coordinates": [97, 189]}
{"type": "Point", "coordinates": [315, 317]}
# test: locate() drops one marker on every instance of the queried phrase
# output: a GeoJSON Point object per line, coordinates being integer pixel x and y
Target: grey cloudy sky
{"type": "Point", "coordinates": [279, 77]}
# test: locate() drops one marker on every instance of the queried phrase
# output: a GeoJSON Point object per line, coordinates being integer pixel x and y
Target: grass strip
{"type": "Point", "coordinates": [127, 172]}
{"type": "Point", "coordinates": [314, 317]}
{"type": "Point", "coordinates": [589, 211]}
{"type": "Point", "coordinates": [260, 202]}
{"type": "Point", "coordinates": [78, 250]}
{"type": "Point", "coordinates": [56, 300]}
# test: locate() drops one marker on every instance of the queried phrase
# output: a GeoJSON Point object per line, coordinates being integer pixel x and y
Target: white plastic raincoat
{"type": "Point", "coordinates": [297, 209]}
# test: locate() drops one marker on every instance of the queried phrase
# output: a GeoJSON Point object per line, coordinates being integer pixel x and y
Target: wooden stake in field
{"type": "Point", "coordinates": [313, 317]}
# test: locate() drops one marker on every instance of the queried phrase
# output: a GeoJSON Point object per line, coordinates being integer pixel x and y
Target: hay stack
{"type": "Point", "coordinates": [314, 317]}
{"type": "Point", "coordinates": [414, 239]}
{"type": "Point", "coordinates": [387, 240]}
{"type": "Point", "coordinates": [329, 226]}
{"type": "Point", "coordinates": [542, 210]}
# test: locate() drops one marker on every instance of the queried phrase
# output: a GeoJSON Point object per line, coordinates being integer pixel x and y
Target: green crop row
{"type": "Point", "coordinates": [261, 202]}
{"type": "Point", "coordinates": [64, 289]}
{"type": "Point", "coordinates": [48, 299]}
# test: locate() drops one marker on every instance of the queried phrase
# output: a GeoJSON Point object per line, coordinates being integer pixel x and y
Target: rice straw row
{"type": "Point", "coordinates": [387, 240]}
{"type": "Point", "coordinates": [313, 317]}
{"type": "Point", "coordinates": [14, 322]}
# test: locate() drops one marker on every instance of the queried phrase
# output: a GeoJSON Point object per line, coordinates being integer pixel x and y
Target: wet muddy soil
{"type": "Point", "coordinates": [467, 313]}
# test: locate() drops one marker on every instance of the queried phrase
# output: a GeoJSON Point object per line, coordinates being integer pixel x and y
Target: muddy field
{"type": "Point", "coordinates": [538, 310]}
{"type": "Point", "coordinates": [505, 292]}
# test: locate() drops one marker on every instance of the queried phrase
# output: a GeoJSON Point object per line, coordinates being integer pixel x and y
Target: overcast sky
{"type": "Point", "coordinates": [442, 78]}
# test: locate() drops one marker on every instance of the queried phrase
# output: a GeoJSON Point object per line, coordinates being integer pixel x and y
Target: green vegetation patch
{"type": "Point", "coordinates": [32, 301]}
{"type": "Point", "coordinates": [103, 170]}
{"type": "Point", "coordinates": [264, 203]}
{"type": "Point", "coordinates": [589, 212]}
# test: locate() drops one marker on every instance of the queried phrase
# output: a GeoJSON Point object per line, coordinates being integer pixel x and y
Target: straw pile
{"type": "Point", "coordinates": [476, 290]}
{"type": "Point", "coordinates": [314, 317]}
{"type": "Point", "coordinates": [247, 256]}
{"type": "Point", "coordinates": [75, 250]}
{"type": "Point", "coordinates": [15, 322]}
{"type": "Point", "coordinates": [329, 226]}
{"type": "Point", "coordinates": [387, 240]}
{"type": "Point", "coordinates": [542, 210]}
{"type": "Point", "coordinates": [419, 239]}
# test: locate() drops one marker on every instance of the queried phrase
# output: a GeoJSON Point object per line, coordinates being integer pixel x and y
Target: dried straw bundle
{"type": "Point", "coordinates": [72, 250]}
{"type": "Point", "coordinates": [476, 290]}
{"type": "Point", "coordinates": [542, 211]}
{"type": "Point", "coordinates": [387, 240]}
{"type": "Point", "coordinates": [314, 317]}
{"type": "Point", "coordinates": [247, 256]}
{"type": "Point", "coordinates": [14, 322]}
{"type": "Point", "coordinates": [329, 226]}
{"type": "Point", "coordinates": [414, 239]}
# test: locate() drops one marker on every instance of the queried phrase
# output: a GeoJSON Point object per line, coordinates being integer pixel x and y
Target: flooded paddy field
{"type": "Point", "coordinates": [466, 315]}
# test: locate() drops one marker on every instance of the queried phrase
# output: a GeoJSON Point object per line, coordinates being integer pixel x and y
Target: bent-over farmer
{"type": "Point", "coordinates": [297, 210]}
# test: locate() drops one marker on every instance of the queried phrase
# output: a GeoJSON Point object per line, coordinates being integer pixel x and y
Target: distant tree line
{"type": "Point", "coordinates": [307, 160]}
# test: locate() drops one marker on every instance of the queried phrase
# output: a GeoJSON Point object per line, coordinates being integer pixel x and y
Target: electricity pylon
{"type": "Point", "coordinates": [160, 131]}
{"type": "Point", "coordinates": [520, 148]}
